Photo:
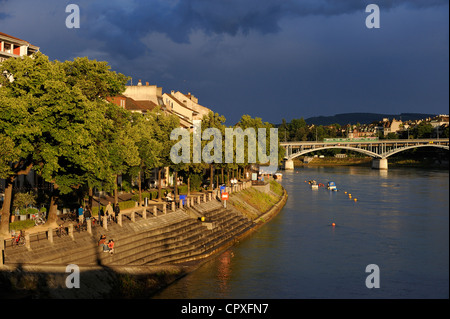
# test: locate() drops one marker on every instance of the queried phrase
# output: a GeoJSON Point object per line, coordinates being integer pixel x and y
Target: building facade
{"type": "Point", "coordinates": [12, 47]}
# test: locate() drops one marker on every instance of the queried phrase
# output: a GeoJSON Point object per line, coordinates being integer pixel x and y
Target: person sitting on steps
{"type": "Point", "coordinates": [111, 246]}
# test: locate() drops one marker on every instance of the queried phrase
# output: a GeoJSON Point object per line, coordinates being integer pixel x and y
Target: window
{"type": "Point", "coordinates": [7, 48]}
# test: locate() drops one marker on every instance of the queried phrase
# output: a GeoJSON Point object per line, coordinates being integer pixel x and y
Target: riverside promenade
{"type": "Point", "coordinates": [154, 246]}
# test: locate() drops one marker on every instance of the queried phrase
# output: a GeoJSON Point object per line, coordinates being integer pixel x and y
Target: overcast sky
{"type": "Point", "coordinates": [272, 59]}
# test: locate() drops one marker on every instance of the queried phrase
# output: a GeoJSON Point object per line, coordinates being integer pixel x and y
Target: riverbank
{"type": "Point", "coordinates": [332, 161]}
{"type": "Point", "coordinates": [127, 281]}
{"type": "Point", "coordinates": [398, 162]}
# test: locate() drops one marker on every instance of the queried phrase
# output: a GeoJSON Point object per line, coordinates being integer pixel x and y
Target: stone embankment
{"type": "Point", "coordinates": [150, 252]}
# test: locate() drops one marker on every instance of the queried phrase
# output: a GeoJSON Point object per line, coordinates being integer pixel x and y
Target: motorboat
{"type": "Point", "coordinates": [314, 184]}
{"type": "Point", "coordinates": [331, 186]}
{"type": "Point", "coordinates": [278, 176]}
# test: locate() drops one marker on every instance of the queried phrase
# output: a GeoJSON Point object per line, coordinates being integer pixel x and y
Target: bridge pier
{"type": "Point", "coordinates": [380, 163]}
{"type": "Point", "coordinates": [288, 164]}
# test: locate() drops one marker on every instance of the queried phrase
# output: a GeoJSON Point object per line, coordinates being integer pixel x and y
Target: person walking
{"type": "Point", "coordinates": [80, 214]}
{"type": "Point", "coordinates": [109, 211]}
{"type": "Point", "coordinates": [116, 211]}
{"type": "Point", "coordinates": [87, 214]}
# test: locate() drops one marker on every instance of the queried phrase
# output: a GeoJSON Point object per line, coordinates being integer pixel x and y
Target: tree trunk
{"type": "Point", "coordinates": [221, 170]}
{"type": "Point", "coordinates": [159, 185]}
{"type": "Point", "coordinates": [175, 192]}
{"type": "Point", "coordinates": [211, 177]}
{"type": "Point", "coordinates": [6, 209]}
{"type": "Point", "coordinates": [189, 185]}
{"type": "Point", "coordinates": [140, 188]}
{"type": "Point", "coordinates": [52, 212]}
{"type": "Point", "coordinates": [91, 192]}
{"type": "Point", "coordinates": [116, 194]}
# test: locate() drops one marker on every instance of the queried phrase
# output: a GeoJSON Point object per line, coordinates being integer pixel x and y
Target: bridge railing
{"type": "Point", "coordinates": [377, 149]}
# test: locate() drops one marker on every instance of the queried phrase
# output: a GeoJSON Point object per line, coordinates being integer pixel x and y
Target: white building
{"type": "Point", "coordinates": [12, 47]}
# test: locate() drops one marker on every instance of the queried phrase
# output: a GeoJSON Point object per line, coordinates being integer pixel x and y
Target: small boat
{"type": "Point", "coordinates": [331, 186]}
{"type": "Point", "coordinates": [278, 176]}
{"type": "Point", "coordinates": [314, 184]}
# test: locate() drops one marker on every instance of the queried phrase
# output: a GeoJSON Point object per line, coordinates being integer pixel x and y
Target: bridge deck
{"type": "Point", "coordinates": [376, 149]}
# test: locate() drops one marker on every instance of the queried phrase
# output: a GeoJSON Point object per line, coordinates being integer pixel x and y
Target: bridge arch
{"type": "Point", "coordinates": [359, 150]}
{"type": "Point", "coordinates": [401, 149]}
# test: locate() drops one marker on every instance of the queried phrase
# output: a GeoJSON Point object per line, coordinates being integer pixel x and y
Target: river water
{"type": "Point", "coordinates": [400, 222]}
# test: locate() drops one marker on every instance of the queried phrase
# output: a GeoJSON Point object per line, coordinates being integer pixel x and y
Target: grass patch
{"type": "Point", "coordinates": [276, 188]}
{"type": "Point", "coordinates": [259, 200]}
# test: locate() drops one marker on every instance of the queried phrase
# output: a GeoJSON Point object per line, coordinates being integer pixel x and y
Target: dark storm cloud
{"type": "Point", "coordinates": [306, 58]}
{"type": "Point", "coordinates": [127, 22]}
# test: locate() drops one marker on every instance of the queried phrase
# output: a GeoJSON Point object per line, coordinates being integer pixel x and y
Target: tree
{"type": "Point", "coordinates": [55, 114]}
{"type": "Point", "coordinates": [214, 121]}
{"type": "Point", "coordinates": [298, 130]}
{"type": "Point", "coordinates": [164, 125]}
{"type": "Point", "coordinates": [422, 130]}
{"type": "Point", "coordinates": [23, 84]}
{"type": "Point", "coordinates": [122, 152]}
{"type": "Point", "coordinates": [144, 136]}
{"type": "Point", "coordinates": [96, 82]}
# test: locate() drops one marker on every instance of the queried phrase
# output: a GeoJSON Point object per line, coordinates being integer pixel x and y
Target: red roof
{"type": "Point", "coordinates": [10, 36]}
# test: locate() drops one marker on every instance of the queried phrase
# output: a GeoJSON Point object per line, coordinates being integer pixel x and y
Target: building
{"type": "Point", "coordinates": [191, 102]}
{"type": "Point", "coordinates": [145, 92]}
{"type": "Point", "coordinates": [12, 47]}
{"type": "Point", "coordinates": [391, 126]}
{"type": "Point", "coordinates": [144, 98]}
{"type": "Point", "coordinates": [440, 120]}
{"type": "Point", "coordinates": [131, 105]}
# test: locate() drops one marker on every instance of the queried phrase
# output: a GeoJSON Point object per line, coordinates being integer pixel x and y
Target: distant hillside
{"type": "Point", "coordinates": [363, 118]}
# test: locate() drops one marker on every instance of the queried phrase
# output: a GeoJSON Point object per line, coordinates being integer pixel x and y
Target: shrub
{"type": "Point", "coordinates": [127, 204]}
{"type": "Point", "coordinates": [21, 225]}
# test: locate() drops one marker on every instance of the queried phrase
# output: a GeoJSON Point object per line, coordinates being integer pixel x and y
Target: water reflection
{"type": "Point", "coordinates": [224, 272]}
{"type": "Point", "coordinates": [399, 222]}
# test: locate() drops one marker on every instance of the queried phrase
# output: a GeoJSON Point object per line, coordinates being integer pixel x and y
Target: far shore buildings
{"type": "Point", "coordinates": [386, 126]}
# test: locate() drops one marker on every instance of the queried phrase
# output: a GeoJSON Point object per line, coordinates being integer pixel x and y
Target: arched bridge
{"type": "Point", "coordinates": [380, 150]}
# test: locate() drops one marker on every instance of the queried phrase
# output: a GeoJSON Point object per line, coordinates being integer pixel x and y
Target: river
{"type": "Point", "coordinates": [399, 222]}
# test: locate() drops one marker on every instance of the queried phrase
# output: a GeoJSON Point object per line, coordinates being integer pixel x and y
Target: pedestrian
{"type": "Point", "coordinates": [111, 246]}
{"type": "Point", "coordinates": [109, 211]}
{"type": "Point", "coordinates": [100, 216]}
{"type": "Point", "coordinates": [87, 213]}
{"type": "Point", "coordinates": [102, 243]}
{"type": "Point", "coordinates": [80, 214]}
{"type": "Point", "coordinates": [116, 211]}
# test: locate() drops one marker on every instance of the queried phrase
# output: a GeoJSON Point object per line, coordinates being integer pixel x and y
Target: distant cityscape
{"type": "Point", "coordinates": [385, 128]}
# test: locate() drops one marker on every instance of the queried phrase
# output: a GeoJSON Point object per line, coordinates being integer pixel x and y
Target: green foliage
{"type": "Point", "coordinates": [22, 200]}
{"type": "Point", "coordinates": [127, 204]}
{"type": "Point", "coordinates": [8, 154]}
{"type": "Point", "coordinates": [422, 130]}
{"type": "Point", "coordinates": [195, 182]}
{"type": "Point", "coordinates": [150, 195]}
{"type": "Point", "coordinates": [21, 225]}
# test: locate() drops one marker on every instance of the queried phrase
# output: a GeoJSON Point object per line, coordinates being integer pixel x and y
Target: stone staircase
{"type": "Point", "coordinates": [175, 237]}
